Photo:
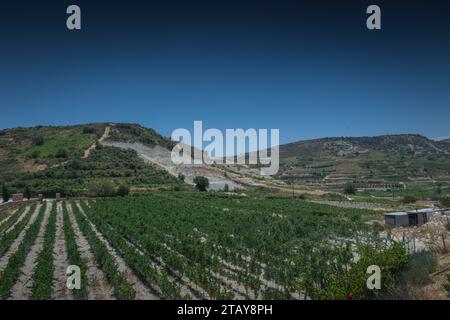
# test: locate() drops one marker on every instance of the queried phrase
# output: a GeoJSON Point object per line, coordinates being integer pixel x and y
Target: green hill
{"type": "Point", "coordinates": [401, 162]}
{"type": "Point", "coordinates": [72, 160]}
{"type": "Point", "coordinates": [50, 159]}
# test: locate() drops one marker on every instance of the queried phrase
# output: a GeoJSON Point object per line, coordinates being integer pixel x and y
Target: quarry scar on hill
{"type": "Point", "coordinates": [234, 153]}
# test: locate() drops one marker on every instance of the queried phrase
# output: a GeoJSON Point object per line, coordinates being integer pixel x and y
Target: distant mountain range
{"type": "Point", "coordinates": [381, 162]}
{"type": "Point", "coordinates": [72, 157]}
{"type": "Point", "coordinates": [402, 144]}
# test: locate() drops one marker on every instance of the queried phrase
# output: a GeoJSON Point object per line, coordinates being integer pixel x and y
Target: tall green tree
{"type": "Point", "coordinates": [445, 202]}
{"type": "Point", "coordinates": [123, 190]}
{"type": "Point", "coordinates": [201, 183]}
{"type": "Point", "coordinates": [27, 192]}
{"type": "Point", "coordinates": [349, 188]}
{"type": "Point", "coordinates": [38, 140]}
{"type": "Point", "coordinates": [5, 193]}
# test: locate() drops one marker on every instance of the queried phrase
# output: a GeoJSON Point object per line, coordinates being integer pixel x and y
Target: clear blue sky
{"type": "Point", "coordinates": [309, 68]}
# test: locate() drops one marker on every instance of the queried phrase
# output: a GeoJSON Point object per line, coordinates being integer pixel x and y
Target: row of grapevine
{"type": "Point", "coordinates": [8, 222]}
{"type": "Point", "coordinates": [122, 288]}
{"type": "Point", "coordinates": [74, 256]}
{"type": "Point", "coordinates": [7, 239]}
{"type": "Point", "coordinates": [140, 264]}
{"type": "Point", "coordinates": [193, 245]}
{"type": "Point", "coordinates": [272, 248]}
{"type": "Point", "coordinates": [10, 274]}
{"type": "Point", "coordinates": [43, 273]}
{"type": "Point", "coordinates": [213, 283]}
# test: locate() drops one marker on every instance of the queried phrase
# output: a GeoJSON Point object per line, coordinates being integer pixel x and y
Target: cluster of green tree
{"type": "Point", "coordinates": [445, 202]}
{"type": "Point", "coordinates": [107, 189]}
{"type": "Point", "coordinates": [201, 183]}
{"type": "Point", "coordinates": [6, 193]}
{"type": "Point", "coordinates": [136, 133]}
{"type": "Point", "coordinates": [349, 188]}
{"type": "Point", "coordinates": [109, 166]}
{"type": "Point", "coordinates": [391, 261]}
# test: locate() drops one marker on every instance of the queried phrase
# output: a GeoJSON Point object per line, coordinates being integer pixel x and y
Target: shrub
{"type": "Point", "coordinates": [226, 188]}
{"type": "Point", "coordinates": [35, 154]}
{"type": "Point", "coordinates": [201, 183]}
{"type": "Point", "coordinates": [123, 190]}
{"type": "Point", "coordinates": [88, 130]}
{"type": "Point", "coordinates": [419, 268]}
{"type": "Point", "coordinates": [415, 276]}
{"type": "Point", "coordinates": [445, 202]}
{"type": "Point", "coordinates": [392, 262]}
{"type": "Point", "coordinates": [101, 189]}
{"type": "Point", "coordinates": [61, 153]}
{"type": "Point", "coordinates": [38, 140]}
{"type": "Point", "coordinates": [349, 188]}
{"type": "Point", "coordinates": [378, 226]}
{"type": "Point", "coordinates": [181, 176]}
{"type": "Point", "coordinates": [75, 164]}
{"type": "Point", "coordinates": [446, 286]}
{"type": "Point", "coordinates": [409, 199]}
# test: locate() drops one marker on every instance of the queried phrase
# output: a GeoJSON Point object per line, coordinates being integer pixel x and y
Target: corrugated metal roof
{"type": "Point", "coordinates": [396, 214]}
{"type": "Point", "coordinates": [425, 210]}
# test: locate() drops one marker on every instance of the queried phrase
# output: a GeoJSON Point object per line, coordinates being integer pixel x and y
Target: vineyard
{"type": "Point", "coordinates": [185, 245]}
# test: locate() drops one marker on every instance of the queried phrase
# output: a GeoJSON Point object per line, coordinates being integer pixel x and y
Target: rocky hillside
{"type": "Point", "coordinates": [382, 162]}
{"type": "Point", "coordinates": [78, 159]}
{"type": "Point", "coordinates": [403, 145]}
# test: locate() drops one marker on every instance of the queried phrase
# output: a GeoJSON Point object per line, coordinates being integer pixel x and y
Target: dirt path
{"type": "Point", "coordinates": [24, 213]}
{"type": "Point", "coordinates": [4, 260]}
{"type": "Point", "coordinates": [60, 260]}
{"type": "Point", "coordinates": [105, 135]}
{"type": "Point", "coordinates": [142, 292]}
{"type": "Point", "coordinates": [99, 288]}
{"type": "Point", "coordinates": [22, 288]}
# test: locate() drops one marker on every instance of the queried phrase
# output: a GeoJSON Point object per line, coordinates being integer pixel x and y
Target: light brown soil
{"type": "Point", "coordinates": [4, 260]}
{"type": "Point", "coordinates": [24, 213]}
{"type": "Point", "coordinates": [30, 166]}
{"type": "Point", "coordinates": [435, 290]}
{"type": "Point", "coordinates": [22, 288]}
{"type": "Point", "coordinates": [142, 291]}
{"type": "Point", "coordinates": [186, 285]}
{"type": "Point", "coordinates": [105, 135]}
{"type": "Point", "coordinates": [60, 261]}
{"type": "Point", "coordinates": [99, 288]}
